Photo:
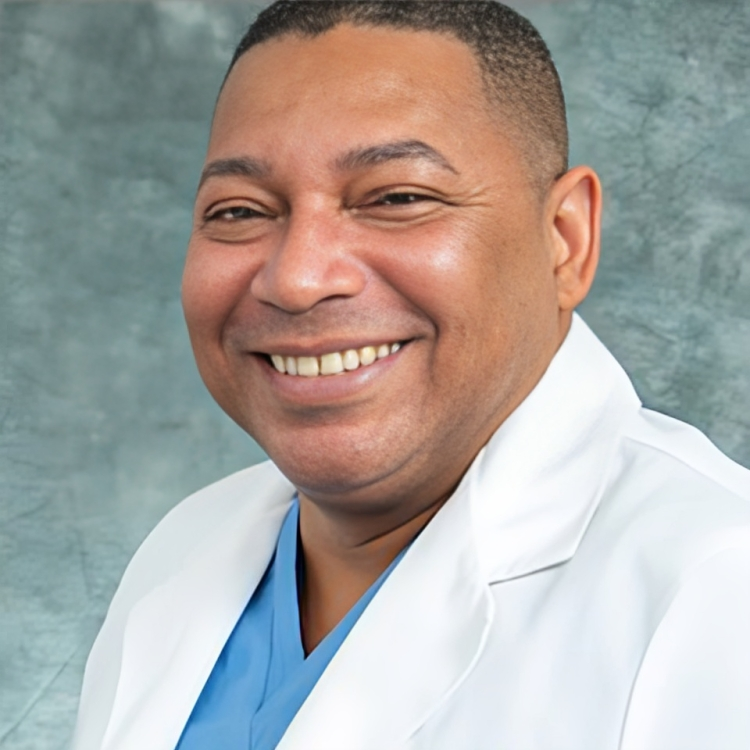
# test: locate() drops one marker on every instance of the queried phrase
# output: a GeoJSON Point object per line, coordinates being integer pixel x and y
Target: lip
{"type": "Point", "coordinates": [326, 389]}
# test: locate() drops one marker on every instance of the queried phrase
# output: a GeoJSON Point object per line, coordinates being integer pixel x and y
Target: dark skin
{"type": "Point", "coordinates": [302, 246]}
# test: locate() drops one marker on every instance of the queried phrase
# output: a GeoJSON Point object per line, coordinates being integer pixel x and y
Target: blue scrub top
{"type": "Point", "coordinates": [262, 677]}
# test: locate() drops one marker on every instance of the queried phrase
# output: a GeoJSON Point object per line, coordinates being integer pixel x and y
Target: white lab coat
{"type": "Point", "coordinates": [587, 587]}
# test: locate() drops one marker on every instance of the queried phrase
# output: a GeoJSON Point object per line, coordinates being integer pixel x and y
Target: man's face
{"type": "Point", "coordinates": [360, 193]}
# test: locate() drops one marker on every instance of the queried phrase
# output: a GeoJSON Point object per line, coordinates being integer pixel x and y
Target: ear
{"type": "Point", "coordinates": [574, 208]}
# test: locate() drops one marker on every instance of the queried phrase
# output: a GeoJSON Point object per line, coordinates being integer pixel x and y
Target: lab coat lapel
{"type": "Point", "coordinates": [540, 478]}
{"type": "Point", "coordinates": [412, 646]}
{"type": "Point", "coordinates": [174, 635]}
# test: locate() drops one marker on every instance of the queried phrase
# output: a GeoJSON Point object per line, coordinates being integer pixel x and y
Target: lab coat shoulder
{"type": "Point", "coordinates": [194, 522]}
{"type": "Point", "coordinates": [689, 509]}
{"type": "Point", "coordinates": [672, 502]}
{"type": "Point", "coordinates": [638, 640]}
{"type": "Point", "coordinates": [685, 496]}
{"type": "Point", "coordinates": [191, 531]}
{"type": "Point", "coordinates": [682, 444]}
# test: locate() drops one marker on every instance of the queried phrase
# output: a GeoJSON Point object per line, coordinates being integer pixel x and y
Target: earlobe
{"type": "Point", "coordinates": [575, 218]}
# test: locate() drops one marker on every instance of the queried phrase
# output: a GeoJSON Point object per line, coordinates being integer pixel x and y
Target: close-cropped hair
{"type": "Point", "coordinates": [518, 73]}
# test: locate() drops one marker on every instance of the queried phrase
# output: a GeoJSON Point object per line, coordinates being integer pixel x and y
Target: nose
{"type": "Point", "coordinates": [312, 260]}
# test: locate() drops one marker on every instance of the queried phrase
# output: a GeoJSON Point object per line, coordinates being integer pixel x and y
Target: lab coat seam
{"type": "Point", "coordinates": [529, 573]}
{"type": "Point", "coordinates": [684, 463]}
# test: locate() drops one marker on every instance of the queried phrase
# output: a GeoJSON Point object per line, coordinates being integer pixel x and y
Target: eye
{"type": "Point", "coordinates": [233, 213]}
{"type": "Point", "coordinates": [235, 220]}
{"type": "Point", "coordinates": [400, 199]}
{"type": "Point", "coordinates": [400, 205]}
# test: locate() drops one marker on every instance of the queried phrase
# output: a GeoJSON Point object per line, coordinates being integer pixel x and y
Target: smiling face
{"type": "Point", "coordinates": [360, 199]}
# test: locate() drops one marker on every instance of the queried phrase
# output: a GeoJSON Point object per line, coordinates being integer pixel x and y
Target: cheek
{"type": "Point", "coordinates": [214, 280]}
{"type": "Point", "coordinates": [460, 274]}
{"type": "Point", "coordinates": [426, 262]}
{"type": "Point", "coordinates": [481, 283]}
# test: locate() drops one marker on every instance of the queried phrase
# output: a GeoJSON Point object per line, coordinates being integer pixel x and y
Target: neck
{"type": "Point", "coordinates": [342, 559]}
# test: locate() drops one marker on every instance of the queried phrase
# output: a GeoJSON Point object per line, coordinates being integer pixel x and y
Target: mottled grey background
{"type": "Point", "coordinates": [104, 425]}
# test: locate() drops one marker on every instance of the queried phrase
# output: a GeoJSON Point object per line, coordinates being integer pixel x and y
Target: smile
{"type": "Point", "coordinates": [332, 363]}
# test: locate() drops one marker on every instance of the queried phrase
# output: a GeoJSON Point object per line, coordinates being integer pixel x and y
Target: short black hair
{"type": "Point", "coordinates": [517, 68]}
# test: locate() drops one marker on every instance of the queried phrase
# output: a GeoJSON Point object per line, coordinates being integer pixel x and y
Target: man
{"type": "Point", "coordinates": [471, 534]}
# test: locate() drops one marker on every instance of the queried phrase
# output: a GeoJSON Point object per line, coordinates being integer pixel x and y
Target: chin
{"type": "Point", "coordinates": [344, 469]}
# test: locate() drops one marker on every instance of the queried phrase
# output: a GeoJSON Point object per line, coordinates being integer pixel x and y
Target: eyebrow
{"type": "Point", "coordinates": [356, 158]}
{"type": "Point", "coordinates": [240, 166]}
{"type": "Point", "coordinates": [370, 156]}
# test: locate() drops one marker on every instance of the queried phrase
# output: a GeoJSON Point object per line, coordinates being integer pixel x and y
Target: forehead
{"type": "Point", "coordinates": [349, 80]}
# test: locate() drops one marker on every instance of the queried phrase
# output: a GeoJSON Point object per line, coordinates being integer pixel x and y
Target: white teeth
{"type": "Point", "coordinates": [308, 367]}
{"type": "Point", "coordinates": [351, 359]}
{"type": "Point", "coordinates": [332, 363]}
{"type": "Point", "coordinates": [367, 355]}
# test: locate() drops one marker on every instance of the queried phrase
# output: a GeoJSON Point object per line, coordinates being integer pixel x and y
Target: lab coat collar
{"type": "Point", "coordinates": [536, 484]}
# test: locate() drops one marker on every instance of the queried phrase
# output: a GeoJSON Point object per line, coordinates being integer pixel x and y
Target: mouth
{"type": "Point", "coordinates": [332, 363]}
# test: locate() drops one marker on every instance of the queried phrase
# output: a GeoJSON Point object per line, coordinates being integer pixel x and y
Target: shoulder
{"type": "Point", "coordinates": [672, 500]}
{"type": "Point", "coordinates": [669, 554]}
{"type": "Point", "coordinates": [686, 452]}
{"type": "Point", "coordinates": [237, 498]}
{"type": "Point", "coordinates": [244, 505]}
{"type": "Point", "coordinates": [668, 467]}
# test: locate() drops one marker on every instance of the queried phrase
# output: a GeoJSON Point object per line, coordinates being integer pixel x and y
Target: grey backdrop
{"type": "Point", "coordinates": [104, 425]}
